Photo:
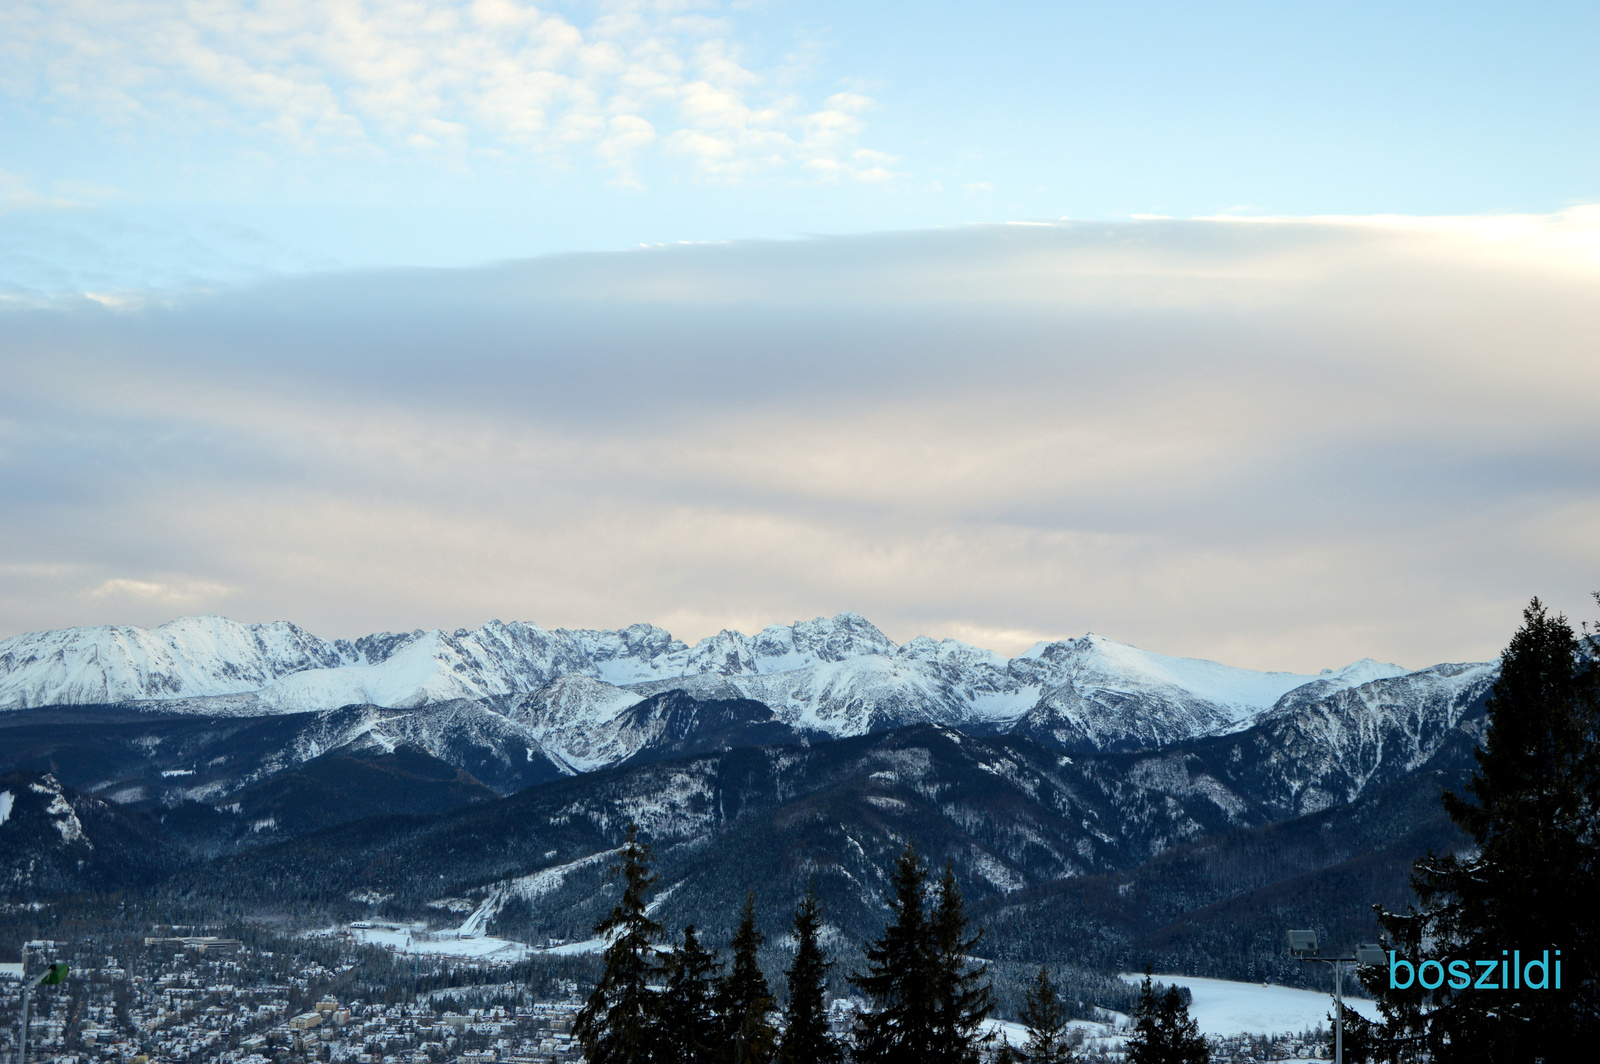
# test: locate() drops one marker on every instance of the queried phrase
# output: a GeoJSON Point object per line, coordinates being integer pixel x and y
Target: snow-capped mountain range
{"type": "Point", "coordinates": [1077, 757]}
{"type": "Point", "coordinates": [571, 691]}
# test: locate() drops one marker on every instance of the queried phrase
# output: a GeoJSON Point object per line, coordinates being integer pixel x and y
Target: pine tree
{"type": "Point", "coordinates": [1400, 1037]}
{"type": "Point", "coordinates": [961, 999]}
{"type": "Point", "coordinates": [1533, 811]}
{"type": "Point", "coordinates": [688, 1030]}
{"type": "Point", "coordinates": [744, 1000]}
{"type": "Point", "coordinates": [616, 1025]}
{"type": "Point", "coordinates": [1045, 1017]}
{"type": "Point", "coordinates": [1163, 1032]}
{"type": "Point", "coordinates": [806, 1038]}
{"type": "Point", "coordinates": [898, 1028]}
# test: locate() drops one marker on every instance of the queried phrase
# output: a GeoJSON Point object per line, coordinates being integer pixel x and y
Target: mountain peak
{"type": "Point", "coordinates": [839, 674]}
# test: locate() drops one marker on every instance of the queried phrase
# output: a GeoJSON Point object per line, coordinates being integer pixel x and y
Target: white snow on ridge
{"type": "Point", "coordinates": [6, 804]}
{"type": "Point", "coordinates": [1364, 671]}
{"type": "Point", "coordinates": [187, 657]}
{"type": "Point", "coordinates": [412, 676]}
{"type": "Point", "coordinates": [1114, 663]}
{"type": "Point", "coordinates": [839, 675]}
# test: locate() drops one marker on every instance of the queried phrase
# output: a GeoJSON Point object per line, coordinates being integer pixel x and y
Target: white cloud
{"type": "Point", "coordinates": [1281, 444]}
{"type": "Point", "coordinates": [1565, 241]}
{"type": "Point", "coordinates": [16, 194]}
{"type": "Point", "coordinates": [431, 75]}
{"type": "Point", "coordinates": [178, 593]}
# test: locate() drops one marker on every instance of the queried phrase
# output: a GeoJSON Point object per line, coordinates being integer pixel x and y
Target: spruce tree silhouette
{"type": "Point", "coordinates": [1533, 885]}
{"type": "Point", "coordinates": [745, 1002]}
{"type": "Point", "coordinates": [617, 1024]}
{"type": "Point", "coordinates": [688, 1028]}
{"type": "Point", "coordinates": [1163, 1031]}
{"type": "Point", "coordinates": [806, 1038]}
{"type": "Point", "coordinates": [961, 998]}
{"type": "Point", "coordinates": [898, 1026]}
{"type": "Point", "coordinates": [1045, 1017]}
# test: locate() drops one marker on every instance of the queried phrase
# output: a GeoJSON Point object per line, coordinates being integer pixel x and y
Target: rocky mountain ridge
{"type": "Point", "coordinates": [812, 750]}
{"type": "Point", "coordinates": [244, 781]}
{"type": "Point", "coordinates": [1012, 817]}
{"type": "Point", "coordinates": [832, 677]}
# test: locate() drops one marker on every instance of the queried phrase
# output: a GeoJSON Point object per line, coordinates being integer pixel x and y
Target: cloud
{"type": "Point", "coordinates": [1280, 443]}
{"type": "Point", "coordinates": [17, 194]}
{"type": "Point", "coordinates": [182, 594]}
{"type": "Point", "coordinates": [429, 76]}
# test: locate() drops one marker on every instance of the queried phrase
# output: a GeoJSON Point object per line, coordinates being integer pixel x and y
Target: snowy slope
{"type": "Point", "coordinates": [1097, 693]}
{"type": "Point", "coordinates": [1327, 751]}
{"type": "Point", "coordinates": [285, 668]}
{"type": "Point", "coordinates": [575, 717]}
{"type": "Point", "coordinates": [1237, 693]}
{"type": "Point", "coordinates": [848, 697]}
{"type": "Point", "coordinates": [290, 670]}
{"type": "Point", "coordinates": [1225, 1007]}
{"type": "Point", "coordinates": [842, 677]}
{"type": "Point", "coordinates": [56, 840]}
{"type": "Point", "coordinates": [836, 676]}
{"type": "Point", "coordinates": [194, 656]}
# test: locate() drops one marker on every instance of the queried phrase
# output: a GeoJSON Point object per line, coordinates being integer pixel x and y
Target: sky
{"type": "Point", "coordinates": [1258, 332]}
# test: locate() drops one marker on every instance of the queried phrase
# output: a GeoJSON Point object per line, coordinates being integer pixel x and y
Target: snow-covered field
{"type": "Point", "coordinates": [1223, 1007]}
{"type": "Point", "coordinates": [415, 940]}
{"type": "Point", "coordinates": [1220, 1007]}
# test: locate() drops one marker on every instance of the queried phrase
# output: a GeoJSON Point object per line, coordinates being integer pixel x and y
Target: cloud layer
{"type": "Point", "coordinates": [1280, 443]}
{"type": "Point", "coordinates": [431, 76]}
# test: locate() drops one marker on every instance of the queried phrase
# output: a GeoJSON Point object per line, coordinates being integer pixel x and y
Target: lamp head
{"type": "Point", "coordinates": [1370, 954]}
{"type": "Point", "coordinates": [1302, 942]}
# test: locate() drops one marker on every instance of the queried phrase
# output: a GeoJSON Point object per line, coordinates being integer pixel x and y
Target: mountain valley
{"type": "Point", "coordinates": [1094, 800]}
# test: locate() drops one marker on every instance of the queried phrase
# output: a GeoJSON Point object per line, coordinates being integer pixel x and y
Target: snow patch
{"type": "Point", "coordinates": [537, 884]}
{"type": "Point", "coordinates": [568, 691]}
{"type": "Point", "coordinates": [416, 940]}
{"type": "Point", "coordinates": [65, 817]}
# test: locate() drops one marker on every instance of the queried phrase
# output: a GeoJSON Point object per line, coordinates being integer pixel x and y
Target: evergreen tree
{"type": "Point", "coordinates": [1045, 1017]}
{"type": "Point", "coordinates": [744, 1000]}
{"type": "Point", "coordinates": [806, 1038]}
{"type": "Point", "coordinates": [688, 1030]}
{"type": "Point", "coordinates": [1163, 1031]}
{"type": "Point", "coordinates": [1533, 811]}
{"type": "Point", "coordinates": [961, 999]}
{"type": "Point", "coordinates": [898, 1028]}
{"type": "Point", "coordinates": [1400, 1036]}
{"type": "Point", "coordinates": [616, 1025]}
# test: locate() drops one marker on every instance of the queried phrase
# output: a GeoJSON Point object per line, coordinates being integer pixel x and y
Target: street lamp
{"type": "Point", "coordinates": [53, 974]}
{"type": "Point", "coordinates": [1303, 944]}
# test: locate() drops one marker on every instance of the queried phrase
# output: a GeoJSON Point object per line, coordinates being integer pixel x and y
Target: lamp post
{"type": "Point", "coordinates": [53, 974]}
{"type": "Point", "coordinates": [1303, 944]}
